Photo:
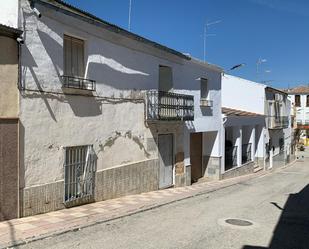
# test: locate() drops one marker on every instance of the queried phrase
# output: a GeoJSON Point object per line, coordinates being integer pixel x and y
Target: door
{"type": "Point", "coordinates": [196, 156]}
{"type": "Point", "coordinates": [166, 161]}
{"type": "Point", "coordinates": [9, 169]}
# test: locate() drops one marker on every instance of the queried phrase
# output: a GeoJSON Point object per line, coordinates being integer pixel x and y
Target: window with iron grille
{"type": "Point", "coordinates": [79, 173]}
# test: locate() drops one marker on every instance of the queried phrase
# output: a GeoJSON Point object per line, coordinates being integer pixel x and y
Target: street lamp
{"type": "Point", "coordinates": [237, 66]}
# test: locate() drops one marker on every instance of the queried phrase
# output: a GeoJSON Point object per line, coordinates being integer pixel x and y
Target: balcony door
{"type": "Point", "coordinates": [166, 152]}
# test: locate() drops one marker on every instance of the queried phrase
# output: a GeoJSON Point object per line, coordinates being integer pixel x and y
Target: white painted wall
{"type": "Point", "coordinates": [242, 94]}
{"type": "Point", "coordinates": [285, 133]}
{"type": "Point", "coordinates": [245, 95]}
{"type": "Point", "coordinates": [123, 69]}
{"type": "Point", "coordinates": [302, 112]}
{"type": "Point", "coordinates": [9, 13]}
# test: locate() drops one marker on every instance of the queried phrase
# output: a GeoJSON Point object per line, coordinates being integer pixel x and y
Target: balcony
{"type": "Point", "coordinates": [279, 122]}
{"type": "Point", "coordinates": [78, 83]}
{"type": "Point", "coordinates": [168, 106]}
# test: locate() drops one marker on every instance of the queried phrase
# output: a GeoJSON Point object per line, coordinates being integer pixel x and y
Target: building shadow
{"type": "Point", "coordinates": [11, 231]}
{"type": "Point", "coordinates": [292, 229]}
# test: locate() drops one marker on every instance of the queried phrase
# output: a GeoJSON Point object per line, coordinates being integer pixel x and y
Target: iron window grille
{"type": "Point", "coordinates": [246, 153]}
{"type": "Point", "coordinates": [231, 157]}
{"type": "Point", "coordinates": [79, 174]}
{"type": "Point", "coordinates": [169, 106]}
{"type": "Point", "coordinates": [78, 83]}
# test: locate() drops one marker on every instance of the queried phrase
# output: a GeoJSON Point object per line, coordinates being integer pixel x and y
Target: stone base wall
{"type": "Point", "coordinates": [259, 161]}
{"type": "Point", "coordinates": [247, 168]}
{"type": "Point", "coordinates": [127, 180]}
{"type": "Point", "coordinates": [188, 175]}
{"type": "Point", "coordinates": [42, 199]}
{"type": "Point", "coordinates": [180, 180]}
{"type": "Point", "coordinates": [110, 183]}
{"type": "Point", "coordinates": [279, 161]}
{"type": "Point", "coordinates": [212, 166]}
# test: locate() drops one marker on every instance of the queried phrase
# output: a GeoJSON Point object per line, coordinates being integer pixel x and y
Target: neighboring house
{"type": "Point", "coordinates": [104, 112]}
{"type": "Point", "coordinates": [299, 97]}
{"type": "Point", "coordinates": [243, 126]}
{"type": "Point", "coordinates": [256, 126]}
{"type": "Point", "coordinates": [9, 123]}
{"type": "Point", "coordinates": [279, 135]}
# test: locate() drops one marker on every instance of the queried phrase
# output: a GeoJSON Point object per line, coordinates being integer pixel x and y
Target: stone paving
{"type": "Point", "coordinates": [24, 230]}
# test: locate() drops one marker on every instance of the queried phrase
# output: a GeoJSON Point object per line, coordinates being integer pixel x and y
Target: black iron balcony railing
{"type": "Point", "coordinates": [278, 122]}
{"type": "Point", "coordinates": [169, 106]}
{"type": "Point", "coordinates": [230, 157]}
{"type": "Point", "coordinates": [246, 153]}
{"type": "Point", "coordinates": [78, 83]}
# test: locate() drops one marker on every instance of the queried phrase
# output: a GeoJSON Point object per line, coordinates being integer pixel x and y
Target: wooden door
{"type": "Point", "coordinates": [196, 156]}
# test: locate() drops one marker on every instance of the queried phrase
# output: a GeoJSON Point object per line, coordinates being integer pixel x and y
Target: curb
{"type": "Point", "coordinates": [151, 207]}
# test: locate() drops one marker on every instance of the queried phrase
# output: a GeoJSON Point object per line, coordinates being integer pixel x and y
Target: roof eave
{"type": "Point", "coordinates": [87, 17]}
{"type": "Point", "coordinates": [9, 31]}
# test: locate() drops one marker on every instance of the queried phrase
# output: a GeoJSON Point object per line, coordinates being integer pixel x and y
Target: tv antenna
{"type": "Point", "coordinates": [206, 26]}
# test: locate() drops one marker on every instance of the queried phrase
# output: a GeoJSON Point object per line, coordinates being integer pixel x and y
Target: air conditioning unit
{"type": "Point", "coordinates": [206, 102]}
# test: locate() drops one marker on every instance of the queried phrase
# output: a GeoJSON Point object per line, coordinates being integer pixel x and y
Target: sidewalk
{"type": "Point", "coordinates": [23, 230]}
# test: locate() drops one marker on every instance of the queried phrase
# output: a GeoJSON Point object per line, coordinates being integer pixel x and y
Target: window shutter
{"type": "Point", "coordinates": [204, 90]}
{"type": "Point", "coordinates": [67, 47]}
{"type": "Point", "coordinates": [73, 56]}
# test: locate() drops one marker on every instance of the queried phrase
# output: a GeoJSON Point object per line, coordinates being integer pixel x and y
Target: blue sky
{"type": "Point", "coordinates": [276, 30]}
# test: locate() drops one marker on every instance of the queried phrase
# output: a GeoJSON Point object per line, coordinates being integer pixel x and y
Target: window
{"type": "Point", "coordinates": [79, 171]}
{"type": "Point", "coordinates": [74, 67]}
{"type": "Point", "coordinates": [307, 102]}
{"type": "Point", "coordinates": [73, 56]}
{"type": "Point", "coordinates": [297, 100]}
{"type": "Point", "coordinates": [204, 89]}
{"type": "Point", "coordinates": [165, 78]}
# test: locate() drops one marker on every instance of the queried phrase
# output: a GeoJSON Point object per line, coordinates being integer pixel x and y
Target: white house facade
{"type": "Point", "coordinates": [103, 112]}
{"type": "Point", "coordinates": [299, 97]}
{"type": "Point", "coordinates": [243, 126]}
{"type": "Point", "coordinates": [257, 128]}
{"type": "Point", "coordinates": [279, 135]}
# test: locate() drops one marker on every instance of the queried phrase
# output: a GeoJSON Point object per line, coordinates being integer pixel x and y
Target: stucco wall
{"type": "Point", "coordinates": [242, 94]}
{"type": "Point", "coordinates": [9, 13]}
{"type": "Point", "coordinates": [9, 77]}
{"type": "Point", "coordinates": [113, 118]}
{"type": "Point", "coordinates": [302, 112]}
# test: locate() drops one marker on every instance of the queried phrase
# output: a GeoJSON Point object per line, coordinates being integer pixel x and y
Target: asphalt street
{"type": "Point", "coordinates": [276, 205]}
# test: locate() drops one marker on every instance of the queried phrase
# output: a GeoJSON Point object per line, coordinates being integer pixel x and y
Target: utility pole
{"type": "Point", "coordinates": [205, 35]}
{"type": "Point", "coordinates": [129, 22]}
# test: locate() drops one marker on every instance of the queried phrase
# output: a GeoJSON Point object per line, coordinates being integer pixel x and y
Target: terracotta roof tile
{"type": "Point", "coordinates": [234, 112]}
{"type": "Point", "coordinates": [298, 90]}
